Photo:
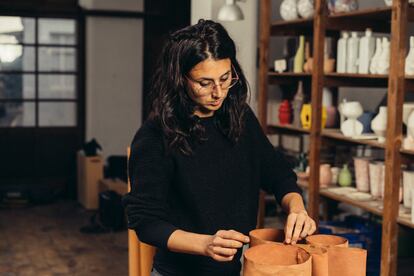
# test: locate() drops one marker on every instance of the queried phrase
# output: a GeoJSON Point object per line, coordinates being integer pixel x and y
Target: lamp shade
{"type": "Point", "coordinates": [230, 12]}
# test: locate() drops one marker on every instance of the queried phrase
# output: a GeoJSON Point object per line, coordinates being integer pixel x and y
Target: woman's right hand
{"type": "Point", "coordinates": [224, 244]}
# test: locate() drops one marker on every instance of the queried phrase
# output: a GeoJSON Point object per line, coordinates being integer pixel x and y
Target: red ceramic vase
{"type": "Point", "coordinates": [285, 113]}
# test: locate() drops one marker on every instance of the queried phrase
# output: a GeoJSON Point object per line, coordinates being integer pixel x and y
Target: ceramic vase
{"type": "Point", "coordinates": [280, 65]}
{"type": "Point", "coordinates": [408, 185]}
{"type": "Point", "coordinates": [379, 124]}
{"type": "Point", "coordinates": [388, 3]}
{"type": "Point", "coordinates": [361, 174]}
{"type": "Point", "coordinates": [366, 119]}
{"type": "Point", "coordinates": [341, 53]}
{"type": "Point", "coordinates": [410, 125]}
{"type": "Point", "coordinates": [383, 65]}
{"type": "Point", "coordinates": [297, 105]}
{"type": "Point", "coordinates": [305, 116]}
{"type": "Point", "coordinates": [373, 67]}
{"type": "Point", "coordinates": [288, 10]}
{"type": "Point", "coordinates": [351, 127]}
{"type": "Point", "coordinates": [306, 8]}
{"type": "Point", "coordinates": [285, 113]}
{"type": "Point", "coordinates": [325, 175]}
{"type": "Point", "coordinates": [300, 56]}
{"type": "Point", "coordinates": [345, 177]}
{"type": "Point", "coordinates": [352, 48]}
{"type": "Point", "coordinates": [335, 175]}
{"type": "Point", "coordinates": [375, 178]}
{"type": "Point", "coordinates": [366, 51]}
{"type": "Point", "coordinates": [409, 61]}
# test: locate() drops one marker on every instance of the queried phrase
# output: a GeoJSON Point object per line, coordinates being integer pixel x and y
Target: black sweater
{"type": "Point", "coordinates": [217, 188]}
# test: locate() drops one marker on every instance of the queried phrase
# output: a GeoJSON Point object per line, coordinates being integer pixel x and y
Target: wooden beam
{"type": "Point", "coordinates": [316, 102]}
{"type": "Point", "coordinates": [264, 25]}
{"type": "Point", "coordinates": [396, 87]}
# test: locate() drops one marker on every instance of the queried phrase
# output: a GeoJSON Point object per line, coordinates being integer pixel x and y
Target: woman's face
{"type": "Point", "coordinates": [206, 80]}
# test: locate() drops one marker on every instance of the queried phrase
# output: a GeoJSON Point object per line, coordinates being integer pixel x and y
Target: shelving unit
{"type": "Point", "coordinates": [392, 20]}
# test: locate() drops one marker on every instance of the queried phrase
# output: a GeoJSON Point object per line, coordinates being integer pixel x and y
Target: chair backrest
{"type": "Point", "coordinates": [140, 255]}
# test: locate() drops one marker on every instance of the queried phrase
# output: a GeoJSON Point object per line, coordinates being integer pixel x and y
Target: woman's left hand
{"type": "Point", "coordinates": [298, 226]}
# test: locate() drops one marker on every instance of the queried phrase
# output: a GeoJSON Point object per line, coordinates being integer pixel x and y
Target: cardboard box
{"type": "Point", "coordinates": [90, 171]}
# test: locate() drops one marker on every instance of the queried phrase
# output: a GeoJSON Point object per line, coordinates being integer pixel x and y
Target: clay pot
{"type": "Point", "coordinates": [375, 178]}
{"type": "Point", "coordinates": [362, 174]}
{"type": "Point", "coordinates": [329, 65]}
{"type": "Point", "coordinates": [325, 175]}
{"type": "Point", "coordinates": [326, 241]}
{"type": "Point", "coordinates": [277, 259]}
{"type": "Point", "coordinates": [266, 235]}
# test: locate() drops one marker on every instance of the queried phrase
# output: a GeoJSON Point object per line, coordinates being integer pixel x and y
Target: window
{"type": "Point", "coordinates": [38, 72]}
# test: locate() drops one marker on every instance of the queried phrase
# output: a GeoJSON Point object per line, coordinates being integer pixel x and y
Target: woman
{"type": "Point", "coordinates": [197, 164]}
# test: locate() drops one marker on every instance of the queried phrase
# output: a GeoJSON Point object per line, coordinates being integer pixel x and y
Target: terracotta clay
{"type": "Point", "coordinates": [276, 259]}
{"type": "Point", "coordinates": [266, 235]}
{"type": "Point", "coordinates": [330, 255]}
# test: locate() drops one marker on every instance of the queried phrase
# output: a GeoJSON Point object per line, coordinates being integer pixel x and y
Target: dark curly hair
{"type": "Point", "coordinates": [172, 108]}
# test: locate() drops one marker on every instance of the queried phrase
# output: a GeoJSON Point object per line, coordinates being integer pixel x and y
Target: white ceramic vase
{"type": "Point", "coordinates": [409, 61]}
{"type": "Point", "coordinates": [351, 126]}
{"type": "Point", "coordinates": [374, 61]}
{"type": "Point", "coordinates": [306, 8]}
{"type": "Point", "coordinates": [384, 60]}
{"type": "Point", "coordinates": [379, 124]}
{"type": "Point", "coordinates": [375, 178]}
{"type": "Point", "coordinates": [388, 3]}
{"type": "Point", "coordinates": [341, 53]}
{"type": "Point", "coordinates": [408, 185]}
{"type": "Point", "coordinates": [352, 53]}
{"type": "Point", "coordinates": [366, 51]}
{"type": "Point", "coordinates": [288, 10]}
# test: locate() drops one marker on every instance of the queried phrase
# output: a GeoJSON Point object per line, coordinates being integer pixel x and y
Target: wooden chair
{"type": "Point", "coordinates": [140, 255]}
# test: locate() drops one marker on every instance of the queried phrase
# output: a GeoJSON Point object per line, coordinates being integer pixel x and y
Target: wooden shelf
{"type": "Point", "coordinates": [287, 77]}
{"type": "Point", "coordinates": [275, 129]}
{"type": "Point", "coordinates": [355, 80]}
{"type": "Point", "coordinates": [337, 135]}
{"type": "Point", "coordinates": [372, 206]}
{"type": "Point", "coordinates": [291, 27]}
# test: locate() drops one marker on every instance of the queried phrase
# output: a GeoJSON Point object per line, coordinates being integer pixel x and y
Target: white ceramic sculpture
{"type": "Point", "coordinates": [351, 127]}
{"type": "Point", "coordinates": [341, 53]}
{"type": "Point", "coordinates": [352, 53]}
{"type": "Point", "coordinates": [374, 61]}
{"type": "Point", "coordinates": [288, 10]}
{"type": "Point", "coordinates": [379, 124]}
{"type": "Point", "coordinates": [366, 51]}
{"type": "Point", "coordinates": [409, 61]}
{"type": "Point", "coordinates": [383, 65]}
{"type": "Point", "coordinates": [306, 8]}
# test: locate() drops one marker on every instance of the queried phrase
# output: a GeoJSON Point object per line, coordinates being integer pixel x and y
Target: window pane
{"type": "Point", "coordinates": [57, 31]}
{"type": "Point", "coordinates": [57, 59]}
{"type": "Point", "coordinates": [14, 114]}
{"type": "Point", "coordinates": [17, 86]}
{"type": "Point", "coordinates": [57, 114]}
{"type": "Point", "coordinates": [57, 86]}
{"type": "Point", "coordinates": [17, 58]}
{"type": "Point", "coordinates": [15, 29]}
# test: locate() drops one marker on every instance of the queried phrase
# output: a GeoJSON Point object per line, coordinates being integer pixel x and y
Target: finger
{"type": "Point", "coordinates": [306, 228]}
{"type": "Point", "coordinates": [290, 223]}
{"type": "Point", "coordinates": [233, 235]}
{"type": "Point", "coordinates": [313, 229]}
{"type": "Point", "coordinates": [218, 241]}
{"type": "Point", "coordinates": [300, 220]}
{"type": "Point", "coordinates": [225, 252]}
{"type": "Point", "coordinates": [222, 258]}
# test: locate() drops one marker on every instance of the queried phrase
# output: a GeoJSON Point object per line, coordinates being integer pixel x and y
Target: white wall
{"type": "Point", "coordinates": [114, 67]}
{"type": "Point", "coordinates": [244, 33]}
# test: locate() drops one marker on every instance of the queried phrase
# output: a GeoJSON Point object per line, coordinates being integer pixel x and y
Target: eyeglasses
{"type": "Point", "coordinates": [206, 87]}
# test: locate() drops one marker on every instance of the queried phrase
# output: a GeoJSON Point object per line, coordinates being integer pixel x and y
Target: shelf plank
{"type": "Point", "coordinates": [337, 135]}
{"type": "Point", "coordinates": [291, 27]}
{"type": "Point", "coordinates": [371, 206]}
{"type": "Point", "coordinates": [275, 129]}
{"type": "Point", "coordinates": [287, 77]}
{"type": "Point", "coordinates": [355, 80]}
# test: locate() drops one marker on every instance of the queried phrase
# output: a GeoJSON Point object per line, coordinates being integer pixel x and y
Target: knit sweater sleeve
{"type": "Point", "coordinates": [150, 173]}
{"type": "Point", "coordinates": [277, 177]}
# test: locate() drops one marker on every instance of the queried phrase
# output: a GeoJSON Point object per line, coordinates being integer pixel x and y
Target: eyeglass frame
{"type": "Point", "coordinates": [214, 82]}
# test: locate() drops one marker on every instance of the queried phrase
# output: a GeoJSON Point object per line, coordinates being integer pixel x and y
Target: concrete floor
{"type": "Point", "coordinates": [45, 240]}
